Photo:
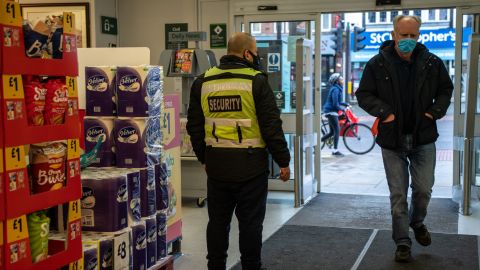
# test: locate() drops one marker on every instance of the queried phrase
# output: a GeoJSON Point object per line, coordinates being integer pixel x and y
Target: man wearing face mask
{"type": "Point", "coordinates": [233, 123]}
{"type": "Point", "coordinates": [408, 89]}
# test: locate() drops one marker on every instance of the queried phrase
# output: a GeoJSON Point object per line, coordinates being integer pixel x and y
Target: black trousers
{"type": "Point", "coordinates": [248, 200]}
{"type": "Point", "coordinates": [334, 130]}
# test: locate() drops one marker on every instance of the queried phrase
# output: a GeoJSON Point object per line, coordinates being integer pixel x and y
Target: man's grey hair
{"type": "Point", "coordinates": [401, 17]}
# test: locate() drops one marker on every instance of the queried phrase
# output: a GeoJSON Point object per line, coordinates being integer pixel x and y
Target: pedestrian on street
{"type": "Point", "coordinates": [233, 123]}
{"type": "Point", "coordinates": [331, 107]}
{"type": "Point", "coordinates": [408, 89]}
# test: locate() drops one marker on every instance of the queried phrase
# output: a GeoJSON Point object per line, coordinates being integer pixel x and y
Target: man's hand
{"type": "Point", "coordinates": [285, 174]}
{"type": "Point", "coordinates": [389, 118]}
{"type": "Point", "coordinates": [429, 116]}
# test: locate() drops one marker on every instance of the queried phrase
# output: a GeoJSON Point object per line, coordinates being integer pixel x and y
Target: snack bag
{"type": "Point", "coordinates": [56, 102]}
{"type": "Point", "coordinates": [38, 229]}
{"type": "Point", "coordinates": [47, 164]}
{"type": "Point", "coordinates": [35, 100]}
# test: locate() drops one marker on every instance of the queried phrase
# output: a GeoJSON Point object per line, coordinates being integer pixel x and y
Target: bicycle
{"type": "Point", "coordinates": [358, 138]}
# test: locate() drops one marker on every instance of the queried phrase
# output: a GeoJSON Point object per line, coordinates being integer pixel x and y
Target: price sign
{"type": "Point", "coordinates": [121, 251]}
{"type": "Point", "coordinates": [10, 13]}
{"type": "Point", "coordinates": [68, 23]}
{"type": "Point", "coordinates": [15, 158]}
{"type": "Point", "coordinates": [73, 149]}
{"type": "Point", "coordinates": [167, 124]}
{"type": "Point", "coordinates": [78, 265]}
{"type": "Point", "coordinates": [12, 87]}
{"type": "Point", "coordinates": [17, 229]}
{"type": "Point", "coordinates": [74, 211]}
{"type": "Point", "coordinates": [72, 86]}
{"type": "Point", "coordinates": [1, 237]}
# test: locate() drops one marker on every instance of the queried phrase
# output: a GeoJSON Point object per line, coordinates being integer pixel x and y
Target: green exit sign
{"type": "Point", "coordinates": [109, 25]}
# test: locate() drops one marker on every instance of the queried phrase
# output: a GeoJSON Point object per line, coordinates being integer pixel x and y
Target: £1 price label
{"type": "Point", "coordinates": [72, 86]}
{"type": "Point", "coordinates": [1, 165]}
{"type": "Point", "coordinates": [73, 149]}
{"type": "Point", "coordinates": [78, 265]}
{"type": "Point", "coordinates": [12, 87]}
{"type": "Point", "coordinates": [15, 158]}
{"type": "Point", "coordinates": [10, 13]}
{"type": "Point", "coordinates": [17, 229]}
{"type": "Point", "coordinates": [68, 23]}
{"type": "Point", "coordinates": [74, 211]}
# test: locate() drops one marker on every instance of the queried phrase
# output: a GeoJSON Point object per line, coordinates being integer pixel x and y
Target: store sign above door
{"type": "Point", "coordinates": [187, 36]}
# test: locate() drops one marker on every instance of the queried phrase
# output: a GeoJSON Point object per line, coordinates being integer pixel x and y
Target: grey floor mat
{"type": "Point", "coordinates": [447, 251]}
{"type": "Point", "coordinates": [311, 247]}
{"type": "Point", "coordinates": [363, 211]}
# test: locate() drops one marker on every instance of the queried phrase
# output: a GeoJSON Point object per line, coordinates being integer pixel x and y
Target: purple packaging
{"type": "Point", "coordinates": [138, 142]}
{"type": "Point", "coordinates": [139, 246]}
{"type": "Point", "coordinates": [104, 203]}
{"type": "Point", "coordinates": [134, 210]}
{"type": "Point", "coordinates": [147, 192]}
{"type": "Point", "coordinates": [161, 235]}
{"type": "Point", "coordinates": [100, 95]}
{"type": "Point", "coordinates": [90, 259]}
{"type": "Point", "coordinates": [161, 186]}
{"type": "Point", "coordinates": [139, 91]}
{"type": "Point", "coordinates": [93, 129]}
{"type": "Point", "coordinates": [151, 227]}
{"type": "Point", "coordinates": [104, 246]}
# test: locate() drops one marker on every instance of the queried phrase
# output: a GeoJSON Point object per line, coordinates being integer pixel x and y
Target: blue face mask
{"type": "Point", "coordinates": [407, 45]}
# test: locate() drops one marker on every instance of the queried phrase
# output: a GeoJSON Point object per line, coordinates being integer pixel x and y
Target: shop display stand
{"type": "Point", "coordinates": [194, 181]}
{"type": "Point", "coordinates": [16, 198]}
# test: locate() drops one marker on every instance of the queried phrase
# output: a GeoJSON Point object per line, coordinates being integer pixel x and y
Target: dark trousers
{"type": "Point", "coordinates": [248, 199]}
{"type": "Point", "coordinates": [334, 130]}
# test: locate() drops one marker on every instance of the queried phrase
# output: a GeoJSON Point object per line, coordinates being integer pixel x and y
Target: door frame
{"type": "Point", "coordinates": [289, 119]}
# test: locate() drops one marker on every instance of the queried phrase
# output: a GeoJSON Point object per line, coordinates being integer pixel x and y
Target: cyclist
{"type": "Point", "coordinates": [332, 105]}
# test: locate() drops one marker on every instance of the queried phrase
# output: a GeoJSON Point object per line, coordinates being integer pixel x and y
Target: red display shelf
{"type": "Point", "coordinates": [13, 58]}
{"type": "Point", "coordinates": [16, 249]}
{"type": "Point", "coordinates": [17, 131]}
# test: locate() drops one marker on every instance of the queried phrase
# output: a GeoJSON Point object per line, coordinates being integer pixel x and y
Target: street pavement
{"type": "Point", "coordinates": [364, 174]}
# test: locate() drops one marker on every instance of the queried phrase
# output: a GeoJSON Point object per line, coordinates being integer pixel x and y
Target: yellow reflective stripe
{"type": "Point", "coordinates": [246, 71]}
{"type": "Point", "coordinates": [208, 88]}
{"type": "Point", "coordinates": [228, 122]}
{"type": "Point", "coordinates": [234, 144]}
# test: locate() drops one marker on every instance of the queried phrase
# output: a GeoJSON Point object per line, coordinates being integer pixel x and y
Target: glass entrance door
{"type": "Point", "coordinates": [276, 43]}
{"type": "Point", "coordinates": [467, 107]}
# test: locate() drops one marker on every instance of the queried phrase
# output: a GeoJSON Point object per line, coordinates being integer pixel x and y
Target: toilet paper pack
{"type": "Point", "coordinates": [151, 227]}
{"type": "Point", "coordinates": [96, 128]}
{"type": "Point", "coordinates": [104, 247]}
{"type": "Point", "coordinates": [138, 142]}
{"type": "Point", "coordinates": [90, 259]}
{"type": "Point", "coordinates": [161, 186]}
{"type": "Point", "coordinates": [147, 191]}
{"type": "Point", "coordinates": [161, 235]}
{"type": "Point", "coordinates": [100, 91]}
{"type": "Point", "coordinates": [104, 202]}
{"type": "Point", "coordinates": [139, 91]}
{"type": "Point", "coordinates": [139, 246]}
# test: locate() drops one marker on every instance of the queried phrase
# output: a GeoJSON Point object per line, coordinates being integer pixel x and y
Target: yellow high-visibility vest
{"type": "Point", "coordinates": [229, 109]}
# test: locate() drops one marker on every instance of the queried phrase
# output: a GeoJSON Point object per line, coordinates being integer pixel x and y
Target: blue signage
{"type": "Point", "coordinates": [433, 39]}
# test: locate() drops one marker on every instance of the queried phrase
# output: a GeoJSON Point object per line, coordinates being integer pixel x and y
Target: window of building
{"type": "Point", "coordinates": [383, 16]}
{"type": "Point", "coordinates": [432, 14]}
{"type": "Point", "coordinates": [372, 17]}
{"type": "Point", "coordinates": [443, 16]}
{"type": "Point", "coordinates": [393, 14]}
{"type": "Point", "coordinates": [326, 22]}
{"type": "Point", "coordinates": [256, 28]}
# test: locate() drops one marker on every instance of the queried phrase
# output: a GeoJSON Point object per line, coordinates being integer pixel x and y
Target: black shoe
{"type": "Point", "coordinates": [402, 254]}
{"type": "Point", "coordinates": [338, 154]}
{"type": "Point", "coordinates": [422, 235]}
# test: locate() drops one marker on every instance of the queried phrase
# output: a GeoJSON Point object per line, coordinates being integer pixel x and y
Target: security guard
{"type": "Point", "coordinates": [233, 123]}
